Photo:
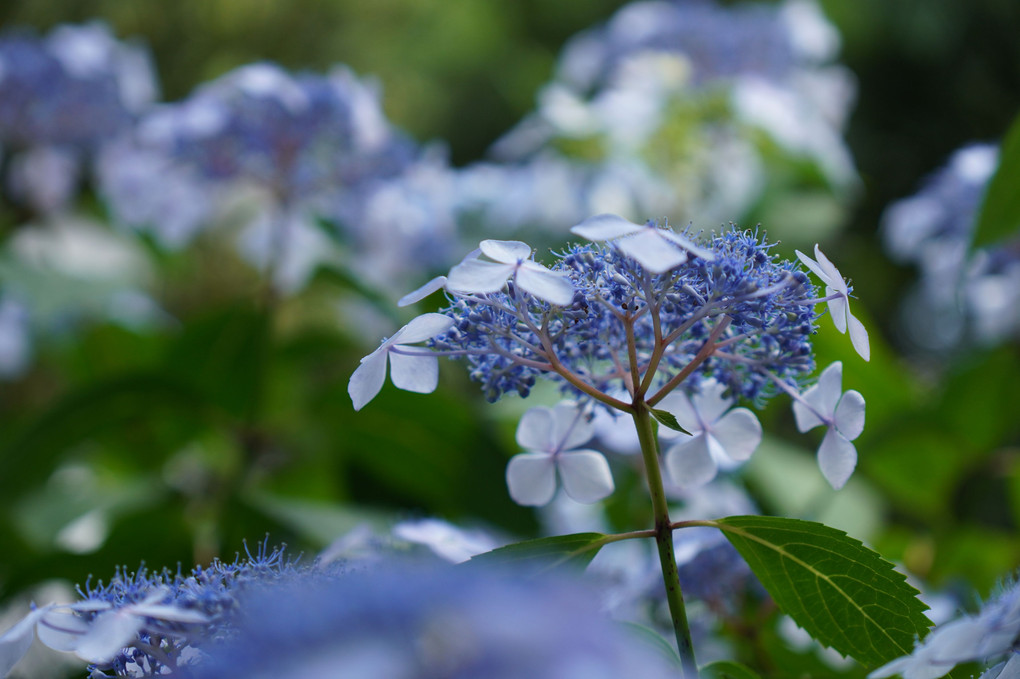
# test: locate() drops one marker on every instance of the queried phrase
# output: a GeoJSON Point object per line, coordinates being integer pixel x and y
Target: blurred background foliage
{"type": "Point", "coordinates": [229, 419]}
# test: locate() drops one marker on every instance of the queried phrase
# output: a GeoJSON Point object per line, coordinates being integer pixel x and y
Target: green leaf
{"type": "Point", "coordinates": [653, 640]}
{"type": "Point", "coordinates": [1000, 212]}
{"type": "Point", "coordinates": [726, 669]}
{"type": "Point", "coordinates": [577, 549]}
{"type": "Point", "coordinates": [842, 593]}
{"type": "Point", "coordinates": [667, 419]}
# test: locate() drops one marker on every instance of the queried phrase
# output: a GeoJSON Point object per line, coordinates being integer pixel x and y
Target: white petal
{"type": "Point", "coordinates": [605, 227]}
{"type": "Point", "coordinates": [15, 642]}
{"type": "Point", "coordinates": [537, 430]}
{"type": "Point", "coordinates": [368, 379]}
{"type": "Point", "coordinates": [688, 245]}
{"type": "Point", "coordinates": [690, 462]}
{"type": "Point", "coordinates": [850, 415]}
{"type": "Point", "coordinates": [805, 417]}
{"type": "Point", "coordinates": [422, 328]}
{"type": "Point", "coordinates": [837, 458]}
{"type": "Point", "coordinates": [505, 251]}
{"type": "Point", "coordinates": [815, 268]}
{"type": "Point", "coordinates": [585, 475]}
{"type": "Point", "coordinates": [739, 433]}
{"type": "Point", "coordinates": [531, 478]}
{"type": "Point", "coordinates": [418, 373]}
{"type": "Point", "coordinates": [653, 252]}
{"type": "Point", "coordinates": [424, 291]}
{"type": "Point", "coordinates": [679, 405]}
{"type": "Point", "coordinates": [710, 402]}
{"type": "Point", "coordinates": [824, 395]}
{"type": "Point", "coordinates": [858, 335]}
{"type": "Point", "coordinates": [570, 427]}
{"type": "Point", "coordinates": [110, 632]}
{"type": "Point", "coordinates": [62, 631]}
{"type": "Point", "coordinates": [961, 640]}
{"type": "Point", "coordinates": [551, 286]}
{"type": "Point", "coordinates": [169, 612]}
{"type": "Point", "coordinates": [838, 309]}
{"type": "Point", "coordinates": [891, 669]}
{"type": "Point", "coordinates": [479, 276]}
{"type": "Point", "coordinates": [835, 278]}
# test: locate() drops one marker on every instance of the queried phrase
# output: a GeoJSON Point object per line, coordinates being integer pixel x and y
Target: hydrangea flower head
{"type": "Point", "coordinates": [552, 437]}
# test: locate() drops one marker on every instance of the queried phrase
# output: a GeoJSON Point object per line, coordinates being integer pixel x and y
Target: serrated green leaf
{"type": "Point", "coordinates": [999, 215]}
{"type": "Point", "coordinates": [842, 593]}
{"type": "Point", "coordinates": [576, 549]}
{"type": "Point", "coordinates": [726, 669]}
{"type": "Point", "coordinates": [667, 419]}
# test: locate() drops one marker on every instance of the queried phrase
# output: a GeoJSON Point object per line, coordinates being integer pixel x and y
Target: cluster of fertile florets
{"type": "Point", "coordinates": [643, 315]}
{"type": "Point", "coordinates": [508, 337]}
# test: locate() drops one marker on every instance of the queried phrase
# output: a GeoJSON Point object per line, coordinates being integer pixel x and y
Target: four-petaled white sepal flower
{"type": "Point", "coordinates": [843, 413]}
{"type": "Point", "coordinates": [414, 370]}
{"type": "Point", "coordinates": [551, 436]}
{"type": "Point", "coordinates": [720, 437]}
{"type": "Point", "coordinates": [839, 307]}
{"type": "Point", "coordinates": [511, 259]}
{"type": "Point", "coordinates": [657, 250]}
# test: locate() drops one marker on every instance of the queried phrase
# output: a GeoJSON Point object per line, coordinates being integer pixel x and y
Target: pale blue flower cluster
{"type": "Point", "coordinates": [146, 623]}
{"type": "Point", "coordinates": [406, 622]}
{"type": "Point", "coordinates": [507, 337]}
{"type": "Point", "coordinates": [62, 97]}
{"type": "Point", "coordinates": [962, 296]}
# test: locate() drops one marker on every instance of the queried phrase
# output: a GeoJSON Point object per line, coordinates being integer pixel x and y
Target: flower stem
{"type": "Point", "coordinates": [664, 538]}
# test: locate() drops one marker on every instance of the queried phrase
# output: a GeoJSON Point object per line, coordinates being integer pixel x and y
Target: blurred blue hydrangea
{"type": "Point", "coordinates": [961, 297]}
{"type": "Point", "coordinates": [677, 108]}
{"type": "Point", "coordinates": [456, 623]}
{"type": "Point", "coordinates": [62, 98]}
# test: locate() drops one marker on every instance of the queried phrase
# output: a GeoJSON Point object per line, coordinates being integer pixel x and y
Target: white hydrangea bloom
{"type": "Point", "coordinates": [825, 403]}
{"type": "Point", "coordinates": [511, 260]}
{"type": "Point", "coordinates": [657, 250]}
{"type": "Point", "coordinates": [839, 306]}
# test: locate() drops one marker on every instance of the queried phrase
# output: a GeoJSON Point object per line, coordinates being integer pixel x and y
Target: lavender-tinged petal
{"type": "Point", "coordinates": [170, 613]}
{"type": "Point", "coordinates": [368, 379]}
{"type": "Point", "coordinates": [858, 335]}
{"type": "Point", "coordinates": [479, 276]}
{"type": "Point", "coordinates": [815, 268]}
{"type": "Point", "coordinates": [825, 394]}
{"type": "Point", "coordinates": [62, 631]}
{"type": "Point", "coordinates": [585, 474]}
{"type": "Point", "coordinates": [571, 427]}
{"type": "Point", "coordinates": [414, 372]}
{"type": "Point", "coordinates": [651, 251]}
{"type": "Point", "coordinates": [537, 430]}
{"type": "Point", "coordinates": [505, 251]}
{"type": "Point", "coordinates": [832, 273]}
{"type": "Point", "coordinates": [531, 479]}
{"type": "Point", "coordinates": [850, 415]}
{"type": "Point", "coordinates": [739, 433]}
{"type": "Point", "coordinates": [805, 417]}
{"type": "Point", "coordinates": [837, 458]}
{"type": "Point", "coordinates": [110, 632]}
{"type": "Point", "coordinates": [710, 401]}
{"type": "Point", "coordinates": [690, 462]}
{"type": "Point", "coordinates": [424, 291]}
{"type": "Point", "coordinates": [15, 642]}
{"type": "Point", "coordinates": [605, 227]}
{"type": "Point", "coordinates": [838, 310]}
{"type": "Point", "coordinates": [679, 405]}
{"type": "Point", "coordinates": [422, 328]}
{"type": "Point", "coordinates": [539, 281]}
{"type": "Point", "coordinates": [687, 244]}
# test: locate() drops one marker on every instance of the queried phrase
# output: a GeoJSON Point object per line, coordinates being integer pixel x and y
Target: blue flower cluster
{"type": "Point", "coordinates": [63, 97]}
{"type": "Point", "coordinates": [511, 337]}
{"type": "Point", "coordinates": [405, 622]}
{"type": "Point", "coordinates": [161, 643]}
